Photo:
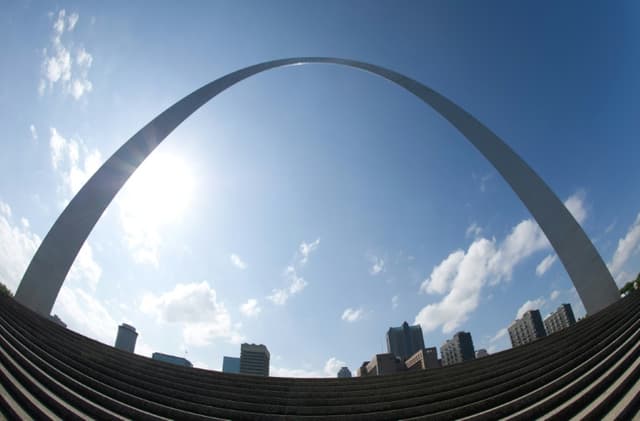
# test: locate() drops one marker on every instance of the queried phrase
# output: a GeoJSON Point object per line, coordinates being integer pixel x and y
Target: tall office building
{"type": "Point", "coordinates": [171, 359]}
{"type": "Point", "coordinates": [527, 329]}
{"type": "Point", "coordinates": [230, 365]}
{"type": "Point", "coordinates": [457, 349]}
{"type": "Point", "coordinates": [560, 319]}
{"type": "Point", "coordinates": [344, 373]}
{"type": "Point", "coordinates": [254, 359]}
{"type": "Point", "coordinates": [126, 339]}
{"type": "Point", "coordinates": [404, 341]}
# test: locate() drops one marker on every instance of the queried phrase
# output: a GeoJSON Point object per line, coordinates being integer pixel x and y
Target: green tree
{"type": "Point", "coordinates": [5, 291]}
{"type": "Point", "coordinates": [629, 286]}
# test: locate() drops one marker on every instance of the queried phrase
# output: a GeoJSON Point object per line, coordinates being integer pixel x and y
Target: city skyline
{"type": "Point", "coordinates": [354, 203]}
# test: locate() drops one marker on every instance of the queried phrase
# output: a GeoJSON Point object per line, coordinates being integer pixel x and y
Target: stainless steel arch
{"type": "Point", "coordinates": [49, 267]}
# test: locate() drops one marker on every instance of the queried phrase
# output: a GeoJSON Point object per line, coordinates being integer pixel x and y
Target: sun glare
{"type": "Point", "coordinates": [160, 190]}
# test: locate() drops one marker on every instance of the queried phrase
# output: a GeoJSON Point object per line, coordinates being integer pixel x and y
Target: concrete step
{"type": "Point", "coordinates": [73, 367]}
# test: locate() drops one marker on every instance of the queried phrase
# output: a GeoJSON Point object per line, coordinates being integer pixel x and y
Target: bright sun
{"type": "Point", "coordinates": [160, 190]}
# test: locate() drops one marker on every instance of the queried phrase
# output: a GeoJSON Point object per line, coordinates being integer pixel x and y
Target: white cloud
{"type": "Point", "coordinates": [202, 365]}
{"type": "Point", "coordinates": [530, 305]}
{"type": "Point", "coordinates": [279, 296]}
{"type": "Point", "coordinates": [468, 278]}
{"type": "Point", "coordinates": [498, 341]}
{"type": "Point", "coordinates": [627, 246]}
{"type": "Point", "coordinates": [395, 301]}
{"type": "Point", "coordinates": [205, 333]}
{"type": "Point", "coordinates": [377, 267]}
{"type": "Point", "coordinates": [73, 19]}
{"type": "Point", "coordinates": [85, 314]}
{"type": "Point", "coordinates": [296, 285]}
{"type": "Point", "coordinates": [58, 25]}
{"type": "Point", "coordinates": [5, 209]}
{"type": "Point", "coordinates": [142, 240]}
{"type": "Point", "coordinates": [525, 239]}
{"type": "Point", "coordinates": [33, 131]}
{"type": "Point", "coordinates": [250, 308]}
{"type": "Point", "coordinates": [545, 264]}
{"type": "Point", "coordinates": [276, 371]}
{"type": "Point", "coordinates": [83, 58]}
{"type": "Point", "coordinates": [58, 68]}
{"type": "Point", "coordinates": [195, 307]}
{"type": "Point", "coordinates": [85, 269]}
{"type": "Point", "coordinates": [57, 146]}
{"type": "Point", "coordinates": [462, 275]}
{"type": "Point", "coordinates": [237, 261]}
{"type": "Point", "coordinates": [73, 161]}
{"type": "Point", "coordinates": [499, 335]}
{"type": "Point", "coordinates": [352, 315]}
{"type": "Point", "coordinates": [332, 366]}
{"type": "Point", "coordinates": [575, 205]}
{"type": "Point", "coordinates": [296, 282]}
{"type": "Point", "coordinates": [79, 87]}
{"type": "Point", "coordinates": [306, 249]}
{"type": "Point", "coordinates": [17, 246]}
{"type": "Point", "coordinates": [142, 347]}
{"type": "Point", "coordinates": [443, 274]}
{"type": "Point", "coordinates": [473, 230]}
{"type": "Point", "coordinates": [554, 295]}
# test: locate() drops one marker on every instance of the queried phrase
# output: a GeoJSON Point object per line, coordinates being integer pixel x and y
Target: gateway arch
{"type": "Point", "coordinates": [53, 259]}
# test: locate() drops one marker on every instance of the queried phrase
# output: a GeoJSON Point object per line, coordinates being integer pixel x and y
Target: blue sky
{"type": "Point", "coordinates": [312, 207]}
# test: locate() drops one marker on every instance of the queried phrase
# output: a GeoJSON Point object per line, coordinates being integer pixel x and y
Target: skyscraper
{"type": "Point", "coordinates": [126, 339]}
{"type": "Point", "coordinates": [404, 341]}
{"type": "Point", "coordinates": [560, 319]}
{"type": "Point", "coordinates": [344, 373]}
{"type": "Point", "coordinates": [254, 359]}
{"type": "Point", "coordinates": [457, 349]}
{"type": "Point", "coordinates": [231, 365]}
{"type": "Point", "coordinates": [527, 329]}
